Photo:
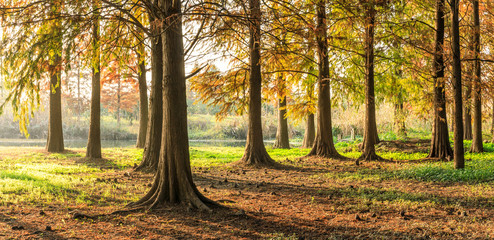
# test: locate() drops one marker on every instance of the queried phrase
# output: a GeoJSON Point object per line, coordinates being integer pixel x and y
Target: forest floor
{"type": "Point", "coordinates": [65, 196]}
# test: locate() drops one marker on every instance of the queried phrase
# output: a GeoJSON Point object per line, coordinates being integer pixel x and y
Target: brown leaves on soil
{"type": "Point", "coordinates": [300, 201]}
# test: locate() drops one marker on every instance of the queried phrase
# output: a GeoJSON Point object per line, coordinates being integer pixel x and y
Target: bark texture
{"type": "Point", "coordinates": [143, 98]}
{"type": "Point", "coordinates": [440, 146]}
{"type": "Point", "coordinates": [93, 149]}
{"type": "Point", "coordinates": [152, 147]}
{"type": "Point", "coordinates": [255, 151]}
{"type": "Point", "coordinates": [476, 84]}
{"type": "Point", "coordinates": [310, 132]}
{"type": "Point", "coordinates": [173, 180]}
{"type": "Point", "coordinates": [458, 152]}
{"type": "Point", "coordinates": [323, 144]}
{"type": "Point", "coordinates": [467, 113]}
{"type": "Point", "coordinates": [282, 139]}
{"type": "Point", "coordinates": [370, 129]}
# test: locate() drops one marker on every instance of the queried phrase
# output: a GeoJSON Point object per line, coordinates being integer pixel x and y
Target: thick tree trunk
{"type": "Point", "coordinates": [152, 147]}
{"type": "Point", "coordinates": [440, 146]}
{"type": "Point", "coordinates": [476, 85]}
{"type": "Point", "coordinates": [323, 144]}
{"type": "Point", "coordinates": [458, 152]}
{"type": "Point", "coordinates": [55, 131]}
{"type": "Point", "coordinates": [94, 138]}
{"type": "Point", "coordinates": [282, 139]}
{"type": "Point", "coordinates": [310, 132]}
{"type": "Point", "coordinates": [255, 151]}
{"type": "Point", "coordinates": [467, 116]}
{"type": "Point", "coordinates": [143, 98]}
{"type": "Point", "coordinates": [173, 181]}
{"type": "Point", "coordinates": [370, 130]}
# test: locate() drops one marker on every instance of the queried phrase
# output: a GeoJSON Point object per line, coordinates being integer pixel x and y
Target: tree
{"type": "Point", "coordinates": [370, 130]}
{"type": "Point", "coordinates": [458, 152]}
{"type": "Point", "coordinates": [173, 181]}
{"type": "Point", "coordinates": [255, 151]}
{"type": "Point", "coordinates": [323, 144]}
{"type": "Point", "coordinates": [152, 147]}
{"type": "Point", "coordinates": [440, 147]}
{"type": "Point", "coordinates": [55, 131]}
{"type": "Point", "coordinates": [282, 139]}
{"type": "Point", "coordinates": [143, 93]}
{"type": "Point", "coordinates": [93, 149]}
{"type": "Point", "coordinates": [476, 84]}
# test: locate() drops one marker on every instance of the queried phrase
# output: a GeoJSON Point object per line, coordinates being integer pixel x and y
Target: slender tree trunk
{"type": "Point", "coordinates": [282, 139]}
{"type": "Point", "coordinates": [458, 133]}
{"type": "Point", "coordinates": [94, 137]}
{"type": "Point", "coordinates": [55, 131]}
{"type": "Point", "coordinates": [118, 101]}
{"type": "Point", "coordinates": [173, 181]}
{"type": "Point", "coordinates": [143, 98]}
{"type": "Point", "coordinates": [440, 146]}
{"type": "Point", "coordinates": [152, 147]}
{"type": "Point", "coordinates": [476, 85]}
{"type": "Point", "coordinates": [310, 132]}
{"type": "Point", "coordinates": [79, 100]}
{"type": "Point", "coordinates": [467, 116]}
{"type": "Point", "coordinates": [370, 129]}
{"type": "Point", "coordinates": [400, 118]}
{"type": "Point", "coordinates": [323, 144]}
{"type": "Point", "coordinates": [255, 151]}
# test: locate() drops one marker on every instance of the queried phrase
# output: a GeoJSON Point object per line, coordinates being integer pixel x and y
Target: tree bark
{"type": "Point", "coordinates": [143, 98]}
{"type": "Point", "coordinates": [282, 139]}
{"type": "Point", "coordinates": [55, 131]}
{"type": "Point", "coordinates": [152, 147]}
{"type": "Point", "coordinates": [310, 132]}
{"type": "Point", "coordinates": [370, 129]}
{"type": "Point", "coordinates": [458, 133]}
{"type": "Point", "coordinates": [118, 101]}
{"type": "Point", "coordinates": [173, 181]}
{"type": "Point", "coordinates": [94, 137]}
{"type": "Point", "coordinates": [323, 144]}
{"type": "Point", "coordinates": [476, 85]}
{"type": "Point", "coordinates": [255, 151]}
{"type": "Point", "coordinates": [400, 119]}
{"type": "Point", "coordinates": [440, 146]}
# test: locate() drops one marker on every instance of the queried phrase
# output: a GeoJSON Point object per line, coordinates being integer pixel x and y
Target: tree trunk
{"type": "Point", "coordinates": [55, 131]}
{"type": "Point", "coordinates": [173, 181]}
{"type": "Point", "coordinates": [400, 118]}
{"type": "Point", "coordinates": [440, 147]}
{"type": "Point", "coordinates": [458, 133]}
{"type": "Point", "coordinates": [152, 147]}
{"type": "Point", "coordinates": [323, 144]}
{"type": "Point", "coordinates": [370, 129]}
{"type": "Point", "coordinates": [476, 85]}
{"type": "Point", "coordinates": [143, 98]}
{"type": "Point", "coordinates": [255, 151]}
{"type": "Point", "coordinates": [467, 116]}
{"type": "Point", "coordinates": [118, 101]}
{"type": "Point", "coordinates": [282, 139]}
{"type": "Point", "coordinates": [310, 132]}
{"type": "Point", "coordinates": [94, 138]}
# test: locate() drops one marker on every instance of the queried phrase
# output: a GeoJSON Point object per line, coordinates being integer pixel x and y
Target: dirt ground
{"type": "Point", "coordinates": [307, 199]}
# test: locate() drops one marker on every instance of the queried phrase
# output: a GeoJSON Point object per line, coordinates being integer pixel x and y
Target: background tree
{"type": "Point", "coordinates": [476, 84]}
